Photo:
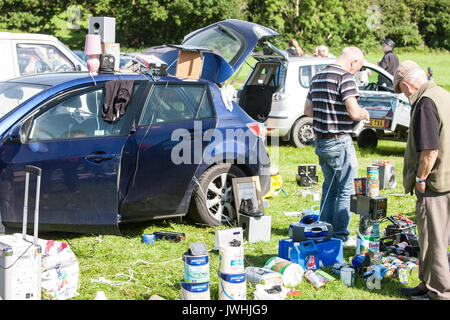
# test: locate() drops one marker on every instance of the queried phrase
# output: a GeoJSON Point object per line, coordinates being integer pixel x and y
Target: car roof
{"type": "Point", "coordinates": [25, 36]}
{"type": "Point", "coordinates": [61, 78]}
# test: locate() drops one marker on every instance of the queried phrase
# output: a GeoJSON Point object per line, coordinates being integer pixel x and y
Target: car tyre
{"type": "Point", "coordinates": [302, 132]}
{"type": "Point", "coordinates": [212, 200]}
{"type": "Point", "coordinates": [368, 138]}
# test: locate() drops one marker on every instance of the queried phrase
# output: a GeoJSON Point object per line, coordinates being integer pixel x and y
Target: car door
{"type": "Point", "coordinates": [79, 155]}
{"type": "Point", "coordinates": [169, 148]}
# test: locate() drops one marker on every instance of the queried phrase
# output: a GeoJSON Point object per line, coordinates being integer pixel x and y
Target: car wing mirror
{"type": "Point", "coordinates": [18, 133]}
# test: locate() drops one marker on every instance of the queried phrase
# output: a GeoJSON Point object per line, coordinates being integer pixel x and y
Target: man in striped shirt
{"type": "Point", "coordinates": [332, 103]}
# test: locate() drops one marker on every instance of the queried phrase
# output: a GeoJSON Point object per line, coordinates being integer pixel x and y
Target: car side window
{"type": "Point", "coordinates": [40, 58]}
{"type": "Point", "coordinates": [307, 72]}
{"type": "Point", "coordinates": [305, 76]}
{"type": "Point", "coordinates": [176, 102]}
{"type": "Point", "coordinates": [372, 80]}
{"type": "Point", "coordinates": [78, 116]}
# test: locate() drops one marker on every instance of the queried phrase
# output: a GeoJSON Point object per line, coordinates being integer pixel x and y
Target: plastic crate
{"type": "Point", "coordinates": [312, 255]}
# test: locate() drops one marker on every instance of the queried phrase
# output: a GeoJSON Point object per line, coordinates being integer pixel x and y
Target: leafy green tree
{"type": "Point", "coordinates": [29, 15]}
{"type": "Point", "coordinates": [434, 24]}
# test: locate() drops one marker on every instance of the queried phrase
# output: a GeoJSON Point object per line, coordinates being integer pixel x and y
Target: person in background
{"type": "Point", "coordinates": [426, 171]}
{"type": "Point", "coordinates": [316, 51]}
{"type": "Point", "coordinates": [322, 51]}
{"type": "Point", "coordinates": [389, 62]}
{"type": "Point", "coordinates": [332, 103]}
{"type": "Point", "coordinates": [294, 49]}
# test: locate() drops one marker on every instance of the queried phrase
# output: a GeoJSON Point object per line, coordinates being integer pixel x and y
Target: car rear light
{"type": "Point", "coordinates": [277, 96]}
{"type": "Point", "coordinates": [257, 128]}
{"type": "Point", "coordinates": [389, 114]}
{"type": "Point", "coordinates": [387, 123]}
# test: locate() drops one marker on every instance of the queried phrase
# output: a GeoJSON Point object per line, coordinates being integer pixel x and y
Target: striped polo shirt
{"type": "Point", "coordinates": [328, 90]}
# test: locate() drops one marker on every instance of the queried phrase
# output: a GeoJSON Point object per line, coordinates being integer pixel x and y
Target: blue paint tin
{"type": "Point", "coordinates": [196, 268]}
{"type": "Point", "coordinates": [148, 238]}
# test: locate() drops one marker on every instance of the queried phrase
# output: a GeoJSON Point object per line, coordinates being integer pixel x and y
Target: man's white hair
{"type": "Point", "coordinates": [323, 48]}
{"type": "Point", "coordinates": [353, 53]}
{"type": "Point", "coordinates": [416, 76]}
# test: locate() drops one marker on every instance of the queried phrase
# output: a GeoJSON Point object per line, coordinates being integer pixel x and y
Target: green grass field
{"type": "Point", "coordinates": [126, 269]}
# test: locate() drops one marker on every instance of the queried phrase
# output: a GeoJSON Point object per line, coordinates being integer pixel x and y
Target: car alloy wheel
{"type": "Point", "coordinates": [212, 199]}
{"type": "Point", "coordinates": [219, 197]}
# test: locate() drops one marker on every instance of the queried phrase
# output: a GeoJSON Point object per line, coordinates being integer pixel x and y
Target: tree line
{"type": "Point", "coordinates": [145, 23]}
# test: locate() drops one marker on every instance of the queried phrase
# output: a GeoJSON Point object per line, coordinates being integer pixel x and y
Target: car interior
{"type": "Point", "coordinates": [256, 97]}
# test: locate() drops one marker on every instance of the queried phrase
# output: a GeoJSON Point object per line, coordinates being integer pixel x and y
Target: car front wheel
{"type": "Point", "coordinates": [212, 198]}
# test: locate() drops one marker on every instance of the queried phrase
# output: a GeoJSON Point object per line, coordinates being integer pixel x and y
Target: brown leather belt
{"type": "Point", "coordinates": [330, 135]}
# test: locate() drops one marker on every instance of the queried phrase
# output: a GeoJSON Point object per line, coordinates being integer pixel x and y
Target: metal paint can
{"type": "Point", "coordinates": [194, 291]}
{"type": "Point", "coordinates": [337, 267]}
{"type": "Point", "coordinates": [231, 260]}
{"type": "Point", "coordinates": [402, 272]}
{"type": "Point", "coordinates": [373, 181]}
{"type": "Point", "coordinates": [232, 286]}
{"type": "Point", "coordinates": [314, 279]}
{"type": "Point", "coordinates": [360, 185]}
{"type": "Point", "coordinates": [412, 268]}
{"type": "Point", "coordinates": [148, 238]}
{"type": "Point", "coordinates": [196, 268]}
{"type": "Point", "coordinates": [348, 276]}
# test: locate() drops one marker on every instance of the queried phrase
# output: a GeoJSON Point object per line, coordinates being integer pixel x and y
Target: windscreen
{"type": "Point", "coordinates": [13, 94]}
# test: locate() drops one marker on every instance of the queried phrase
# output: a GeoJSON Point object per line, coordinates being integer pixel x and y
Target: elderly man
{"type": "Point", "coordinates": [332, 103]}
{"type": "Point", "coordinates": [427, 171]}
{"type": "Point", "coordinates": [322, 51]}
{"type": "Point", "coordinates": [389, 62]}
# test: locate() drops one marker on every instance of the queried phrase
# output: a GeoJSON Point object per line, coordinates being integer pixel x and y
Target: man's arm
{"type": "Point", "coordinates": [355, 111]}
{"type": "Point", "coordinates": [308, 110]}
{"type": "Point", "coordinates": [426, 164]}
{"type": "Point", "coordinates": [384, 62]}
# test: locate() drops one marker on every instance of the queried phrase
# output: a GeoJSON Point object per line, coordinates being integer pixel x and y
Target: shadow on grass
{"type": "Point", "coordinates": [387, 150]}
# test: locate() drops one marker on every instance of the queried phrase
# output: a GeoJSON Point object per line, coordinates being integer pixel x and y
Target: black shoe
{"type": "Point", "coordinates": [421, 297]}
{"type": "Point", "coordinates": [413, 291]}
{"type": "Point", "coordinates": [247, 208]}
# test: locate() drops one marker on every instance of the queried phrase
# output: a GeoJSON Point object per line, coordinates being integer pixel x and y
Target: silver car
{"type": "Point", "coordinates": [276, 89]}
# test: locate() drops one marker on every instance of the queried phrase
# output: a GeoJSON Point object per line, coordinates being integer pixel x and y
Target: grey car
{"type": "Point", "coordinates": [276, 89]}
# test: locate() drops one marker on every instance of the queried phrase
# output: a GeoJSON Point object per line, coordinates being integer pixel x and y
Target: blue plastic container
{"type": "Point", "coordinates": [311, 255]}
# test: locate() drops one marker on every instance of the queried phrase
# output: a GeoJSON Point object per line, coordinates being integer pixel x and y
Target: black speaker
{"type": "Point", "coordinates": [107, 62]}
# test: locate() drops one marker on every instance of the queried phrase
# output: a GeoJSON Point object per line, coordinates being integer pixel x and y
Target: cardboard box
{"type": "Point", "coordinates": [189, 65]}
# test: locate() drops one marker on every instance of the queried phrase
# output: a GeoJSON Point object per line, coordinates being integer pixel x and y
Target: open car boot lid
{"type": "Point", "coordinates": [224, 45]}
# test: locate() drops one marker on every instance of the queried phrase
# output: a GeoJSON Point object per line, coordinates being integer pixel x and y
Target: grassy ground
{"type": "Point", "coordinates": [136, 271]}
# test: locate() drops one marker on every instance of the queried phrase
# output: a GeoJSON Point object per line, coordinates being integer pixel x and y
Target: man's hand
{"type": "Point", "coordinates": [420, 187]}
{"type": "Point", "coordinates": [426, 164]}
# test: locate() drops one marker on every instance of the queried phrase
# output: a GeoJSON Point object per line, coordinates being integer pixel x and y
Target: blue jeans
{"type": "Point", "coordinates": [337, 158]}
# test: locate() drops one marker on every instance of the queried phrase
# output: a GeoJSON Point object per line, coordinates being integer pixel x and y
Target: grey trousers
{"type": "Point", "coordinates": [433, 226]}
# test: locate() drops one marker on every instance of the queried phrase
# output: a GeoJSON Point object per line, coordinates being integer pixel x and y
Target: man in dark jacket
{"type": "Point", "coordinates": [390, 59]}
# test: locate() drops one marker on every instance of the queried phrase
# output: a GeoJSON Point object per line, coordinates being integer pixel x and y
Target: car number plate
{"type": "Point", "coordinates": [377, 123]}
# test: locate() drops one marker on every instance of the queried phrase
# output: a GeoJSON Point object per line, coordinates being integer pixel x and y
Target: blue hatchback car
{"type": "Point", "coordinates": [171, 149]}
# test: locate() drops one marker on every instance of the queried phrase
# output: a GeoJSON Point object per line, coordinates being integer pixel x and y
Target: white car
{"type": "Point", "coordinates": [29, 53]}
{"type": "Point", "coordinates": [275, 93]}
